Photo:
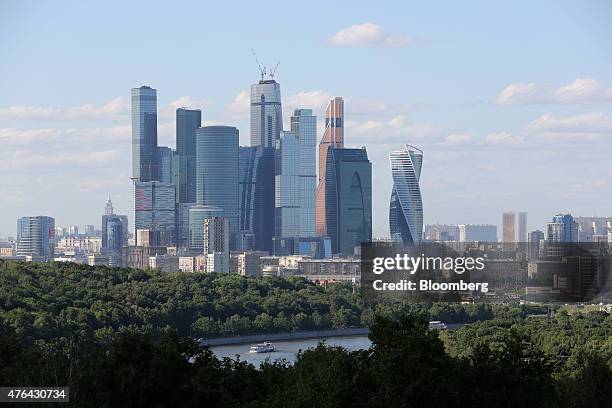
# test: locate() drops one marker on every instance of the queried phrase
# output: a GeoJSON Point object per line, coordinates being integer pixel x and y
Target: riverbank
{"type": "Point", "coordinates": [297, 335]}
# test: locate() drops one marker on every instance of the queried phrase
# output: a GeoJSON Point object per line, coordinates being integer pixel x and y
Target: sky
{"type": "Point", "coordinates": [511, 103]}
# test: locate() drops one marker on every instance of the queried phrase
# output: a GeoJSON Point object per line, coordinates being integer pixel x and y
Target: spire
{"type": "Point", "coordinates": [108, 208]}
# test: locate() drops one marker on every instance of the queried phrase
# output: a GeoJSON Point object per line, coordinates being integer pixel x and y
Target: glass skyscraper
{"type": "Point", "coordinates": [164, 164]}
{"type": "Point", "coordinates": [266, 113]}
{"type": "Point", "coordinates": [256, 180]}
{"type": "Point", "coordinates": [154, 203]}
{"type": "Point", "coordinates": [333, 137]}
{"type": "Point", "coordinates": [35, 237]}
{"type": "Point", "coordinates": [217, 166]}
{"type": "Point", "coordinates": [295, 180]}
{"type": "Point", "coordinates": [144, 134]}
{"type": "Point", "coordinates": [187, 121]}
{"type": "Point", "coordinates": [563, 228]}
{"type": "Point", "coordinates": [406, 204]}
{"type": "Point", "coordinates": [348, 199]}
{"type": "Point", "coordinates": [114, 229]}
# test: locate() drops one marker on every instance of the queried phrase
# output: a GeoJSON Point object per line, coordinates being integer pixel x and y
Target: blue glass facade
{"type": "Point", "coordinates": [256, 180]}
{"type": "Point", "coordinates": [164, 164]}
{"type": "Point", "coordinates": [217, 172]}
{"type": "Point", "coordinates": [187, 121]}
{"type": "Point", "coordinates": [406, 205]}
{"type": "Point", "coordinates": [155, 209]}
{"type": "Point", "coordinates": [266, 113]}
{"type": "Point", "coordinates": [35, 237]}
{"type": "Point", "coordinates": [144, 134]}
{"type": "Point", "coordinates": [348, 199]}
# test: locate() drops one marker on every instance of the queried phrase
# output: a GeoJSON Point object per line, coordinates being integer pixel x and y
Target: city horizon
{"type": "Point", "coordinates": [473, 169]}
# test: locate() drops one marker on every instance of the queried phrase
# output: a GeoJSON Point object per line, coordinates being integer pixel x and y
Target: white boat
{"type": "Point", "coordinates": [436, 324]}
{"type": "Point", "coordinates": [265, 347]}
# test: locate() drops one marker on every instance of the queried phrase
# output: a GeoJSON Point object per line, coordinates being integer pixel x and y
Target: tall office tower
{"type": "Point", "coordinates": [333, 137]}
{"type": "Point", "coordinates": [164, 164]}
{"type": "Point", "coordinates": [563, 228]}
{"type": "Point", "coordinates": [295, 187]}
{"type": "Point", "coordinates": [144, 134]}
{"type": "Point", "coordinates": [533, 244]}
{"type": "Point", "coordinates": [522, 227]}
{"type": "Point", "coordinates": [509, 227]}
{"type": "Point", "coordinates": [114, 230]}
{"type": "Point", "coordinates": [266, 113]}
{"type": "Point", "coordinates": [217, 154]}
{"type": "Point", "coordinates": [35, 237]}
{"type": "Point", "coordinates": [348, 199]}
{"type": "Point", "coordinates": [155, 210]}
{"type": "Point", "coordinates": [406, 204]}
{"type": "Point", "coordinates": [256, 181]}
{"type": "Point", "coordinates": [477, 233]}
{"type": "Point", "coordinates": [304, 125]}
{"type": "Point", "coordinates": [187, 121]}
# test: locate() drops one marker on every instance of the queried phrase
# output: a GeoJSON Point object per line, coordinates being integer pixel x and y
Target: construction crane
{"type": "Point", "coordinates": [262, 69]}
{"type": "Point", "coordinates": [273, 70]}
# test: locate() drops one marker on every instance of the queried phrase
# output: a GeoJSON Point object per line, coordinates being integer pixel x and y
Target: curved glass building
{"type": "Point", "coordinates": [406, 206]}
{"type": "Point", "coordinates": [256, 172]}
{"type": "Point", "coordinates": [348, 199]}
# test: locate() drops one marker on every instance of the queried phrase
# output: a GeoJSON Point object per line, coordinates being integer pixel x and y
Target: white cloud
{"type": "Point", "coordinates": [458, 138]}
{"type": "Point", "coordinates": [518, 94]}
{"type": "Point", "coordinates": [91, 185]}
{"type": "Point", "coordinates": [115, 109]}
{"type": "Point", "coordinates": [31, 160]}
{"type": "Point", "coordinates": [316, 100]}
{"type": "Point", "coordinates": [587, 123]}
{"type": "Point", "coordinates": [240, 106]}
{"type": "Point", "coordinates": [369, 35]}
{"type": "Point", "coordinates": [580, 90]}
{"type": "Point", "coordinates": [503, 138]}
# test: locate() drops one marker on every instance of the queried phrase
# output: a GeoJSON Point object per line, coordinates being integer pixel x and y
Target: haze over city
{"type": "Point", "coordinates": [515, 120]}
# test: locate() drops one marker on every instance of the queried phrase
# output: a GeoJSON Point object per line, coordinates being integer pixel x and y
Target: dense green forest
{"type": "Point", "coordinates": [50, 300]}
{"type": "Point", "coordinates": [125, 338]}
{"type": "Point", "coordinates": [515, 362]}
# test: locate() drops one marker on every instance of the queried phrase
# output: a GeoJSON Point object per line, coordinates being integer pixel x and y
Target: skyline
{"type": "Point", "coordinates": [526, 123]}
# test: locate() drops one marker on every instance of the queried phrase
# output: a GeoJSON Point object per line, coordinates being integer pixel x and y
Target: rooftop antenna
{"type": "Point", "coordinates": [273, 70]}
{"type": "Point", "coordinates": [262, 69]}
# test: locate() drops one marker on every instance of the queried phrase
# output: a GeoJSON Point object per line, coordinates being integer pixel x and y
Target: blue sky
{"type": "Point", "coordinates": [510, 103]}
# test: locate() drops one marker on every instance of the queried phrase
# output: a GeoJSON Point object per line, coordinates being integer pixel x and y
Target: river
{"type": "Point", "coordinates": [288, 349]}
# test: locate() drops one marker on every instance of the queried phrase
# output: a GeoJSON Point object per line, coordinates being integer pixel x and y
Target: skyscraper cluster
{"type": "Point", "coordinates": [267, 194]}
